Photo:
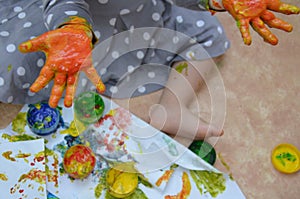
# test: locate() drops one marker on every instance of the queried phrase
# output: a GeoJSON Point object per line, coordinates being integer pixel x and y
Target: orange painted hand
{"type": "Point", "coordinates": [257, 13]}
{"type": "Point", "coordinates": [68, 51]}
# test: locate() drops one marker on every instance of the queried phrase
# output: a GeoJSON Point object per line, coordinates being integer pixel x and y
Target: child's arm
{"type": "Point", "coordinates": [68, 46]}
{"type": "Point", "coordinates": [250, 12]}
{"type": "Point", "coordinates": [257, 13]}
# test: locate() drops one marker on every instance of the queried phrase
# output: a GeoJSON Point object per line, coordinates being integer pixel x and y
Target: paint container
{"type": "Point", "coordinates": [88, 107]}
{"type": "Point", "coordinates": [286, 158]}
{"type": "Point", "coordinates": [204, 150]}
{"type": "Point", "coordinates": [42, 119]}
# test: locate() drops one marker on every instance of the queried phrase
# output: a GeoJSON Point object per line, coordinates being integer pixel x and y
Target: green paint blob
{"type": "Point", "coordinates": [101, 185]}
{"type": "Point", "coordinates": [208, 181]}
{"type": "Point", "coordinates": [9, 67]}
{"type": "Point", "coordinates": [286, 157]}
{"type": "Point", "coordinates": [19, 123]}
{"type": "Point", "coordinates": [16, 138]}
{"type": "Point", "coordinates": [181, 67]}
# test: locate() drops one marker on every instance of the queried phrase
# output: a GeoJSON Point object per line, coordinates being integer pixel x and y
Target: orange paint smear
{"type": "Point", "coordinates": [186, 188]}
{"type": "Point", "coordinates": [165, 177]}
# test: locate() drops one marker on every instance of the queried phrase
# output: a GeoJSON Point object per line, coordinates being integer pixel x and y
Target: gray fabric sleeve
{"type": "Point", "coordinates": [56, 12]}
{"type": "Point", "coordinates": [193, 4]}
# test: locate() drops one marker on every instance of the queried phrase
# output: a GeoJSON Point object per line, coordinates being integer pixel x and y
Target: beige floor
{"type": "Point", "coordinates": [262, 85]}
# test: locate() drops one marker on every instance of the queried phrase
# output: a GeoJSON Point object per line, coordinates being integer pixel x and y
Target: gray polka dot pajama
{"type": "Point", "coordinates": [138, 42]}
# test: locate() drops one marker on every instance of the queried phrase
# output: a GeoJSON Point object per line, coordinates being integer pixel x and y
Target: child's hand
{"type": "Point", "coordinates": [68, 50]}
{"type": "Point", "coordinates": [256, 13]}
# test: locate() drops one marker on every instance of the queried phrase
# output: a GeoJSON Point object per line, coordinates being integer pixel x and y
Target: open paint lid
{"type": "Point", "coordinates": [204, 150]}
{"type": "Point", "coordinates": [286, 158]}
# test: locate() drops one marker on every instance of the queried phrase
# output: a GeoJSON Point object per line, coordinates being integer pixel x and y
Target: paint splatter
{"type": "Point", "coordinates": [183, 66]}
{"type": "Point", "coordinates": [19, 123]}
{"type": "Point", "coordinates": [101, 186]}
{"type": "Point", "coordinates": [3, 177]}
{"type": "Point", "coordinates": [208, 181]}
{"type": "Point", "coordinates": [186, 188]}
{"type": "Point", "coordinates": [36, 175]}
{"type": "Point", "coordinates": [16, 138]}
{"type": "Point", "coordinates": [75, 129]}
{"type": "Point", "coordinates": [167, 175]}
{"type": "Point", "coordinates": [7, 155]}
{"type": "Point", "coordinates": [52, 174]}
{"type": "Point", "coordinates": [9, 67]}
{"type": "Point", "coordinates": [225, 165]}
{"type": "Point", "coordinates": [171, 146]}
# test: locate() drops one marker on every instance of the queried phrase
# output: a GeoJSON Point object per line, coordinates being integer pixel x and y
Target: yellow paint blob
{"type": "Point", "coordinates": [121, 184]}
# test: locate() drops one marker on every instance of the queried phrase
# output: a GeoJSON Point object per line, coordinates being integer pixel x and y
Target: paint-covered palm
{"type": "Point", "coordinates": [68, 51]}
{"type": "Point", "coordinates": [257, 13]}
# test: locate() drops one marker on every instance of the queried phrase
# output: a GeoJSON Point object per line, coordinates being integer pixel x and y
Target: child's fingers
{"type": "Point", "coordinates": [283, 8]}
{"type": "Point", "coordinates": [259, 26]}
{"type": "Point", "coordinates": [45, 76]}
{"type": "Point", "coordinates": [273, 22]}
{"type": "Point", "coordinates": [35, 44]}
{"type": "Point", "coordinates": [57, 89]}
{"type": "Point", "coordinates": [243, 25]}
{"type": "Point", "coordinates": [93, 76]}
{"type": "Point", "coordinates": [70, 89]}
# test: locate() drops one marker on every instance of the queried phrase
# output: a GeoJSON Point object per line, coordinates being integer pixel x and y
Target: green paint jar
{"type": "Point", "coordinates": [88, 107]}
{"type": "Point", "coordinates": [204, 150]}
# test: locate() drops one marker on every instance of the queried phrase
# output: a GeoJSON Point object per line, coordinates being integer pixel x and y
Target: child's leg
{"type": "Point", "coordinates": [172, 115]}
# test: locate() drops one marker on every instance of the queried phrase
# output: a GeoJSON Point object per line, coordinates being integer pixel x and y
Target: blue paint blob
{"type": "Point", "coordinates": [42, 119]}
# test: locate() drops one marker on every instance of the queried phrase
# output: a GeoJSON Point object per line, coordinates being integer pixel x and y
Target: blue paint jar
{"type": "Point", "coordinates": [42, 119]}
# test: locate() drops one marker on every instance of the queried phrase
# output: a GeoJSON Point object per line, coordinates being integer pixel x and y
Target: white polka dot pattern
{"type": "Point", "coordinates": [52, 2]}
{"type": "Point", "coordinates": [130, 68]}
{"type": "Point", "coordinates": [22, 15]}
{"type": "Point", "coordinates": [83, 82]}
{"type": "Point", "coordinates": [179, 19]}
{"type": "Point", "coordinates": [97, 34]}
{"type": "Point", "coordinates": [30, 93]}
{"type": "Point", "coordinates": [141, 89]}
{"type": "Point", "coordinates": [21, 71]}
{"type": "Point", "coordinates": [1, 81]}
{"type": "Point", "coordinates": [26, 85]}
{"type": "Point", "coordinates": [129, 15]}
{"type": "Point", "coordinates": [27, 24]}
{"type": "Point", "coordinates": [112, 21]}
{"type": "Point", "coordinates": [40, 62]}
{"type": "Point", "coordinates": [49, 18]}
{"type": "Point", "coordinates": [124, 12]}
{"type": "Point", "coordinates": [140, 8]}
{"type": "Point", "coordinates": [115, 54]}
{"type": "Point", "coordinates": [155, 16]}
{"type": "Point", "coordinates": [103, 1]}
{"type": "Point", "coordinates": [113, 89]}
{"type": "Point", "coordinates": [146, 36]}
{"type": "Point", "coordinates": [208, 43]}
{"type": "Point", "coordinates": [140, 55]}
{"type": "Point", "coordinates": [4, 21]}
{"type": "Point", "coordinates": [4, 33]}
{"type": "Point", "coordinates": [151, 74]}
{"type": "Point", "coordinates": [200, 23]}
{"type": "Point", "coordinates": [10, 99]}
{"type": "Point", "coordinates": [17, 9]}
{"type": "Point", "coordinates": [71, 12]}
{"type": "Point", "coordinates": [103, 71]}
{"type": "Point", "coordinates": [11, 48]}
